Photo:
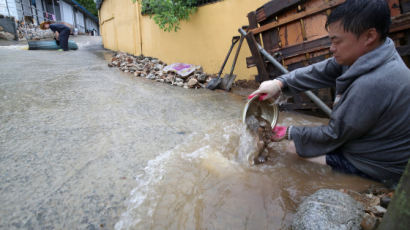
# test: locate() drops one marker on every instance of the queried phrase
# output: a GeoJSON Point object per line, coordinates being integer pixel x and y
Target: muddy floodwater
{"type": "Point", "coordinates": [209, 182]}
{"type": "Point", "coordinates": [84, 146]}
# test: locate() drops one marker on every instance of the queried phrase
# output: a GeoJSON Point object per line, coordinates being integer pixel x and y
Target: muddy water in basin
{"type": "Point", "coordinates": [208, 183]}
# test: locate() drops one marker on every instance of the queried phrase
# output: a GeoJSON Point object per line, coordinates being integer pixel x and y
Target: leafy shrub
{"type": "Point", "coordinates": [168, 13]}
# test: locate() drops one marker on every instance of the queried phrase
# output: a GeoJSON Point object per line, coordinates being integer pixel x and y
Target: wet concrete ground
{"type": "Point", "coordinates": [73, 134]}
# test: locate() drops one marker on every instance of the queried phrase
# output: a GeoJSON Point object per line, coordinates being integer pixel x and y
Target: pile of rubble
{"type": "Point", "coordinates": [375, 202]}
{"type": "Point", "coordinates": [32, 32]}
{"type": "Point", "coordinates": [154, 69]}
{"type": "Point", "coordinates": [6, 35]}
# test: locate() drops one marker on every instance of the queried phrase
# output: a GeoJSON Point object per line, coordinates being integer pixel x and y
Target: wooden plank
{"type": "Point", "coordinates": [403, 50]}
{"type": "Point", "coordinates": [394, 7]}
{"type": "Point", "coordinates": [274, 7]}
{"type": "Point", "coordinates": [405, 5]}
{"type": "Point", "coordinates": [325, 6]}
{"type": "Point", "coordinates": [270, 38]}
{"type": "Point", "coordinates": [260, 65]}
{"type": "Point", "coordinates": [308, 46]}
{"type": "Point", "coordinates": [253, 24]}
{"type": "Point", "coordinates": [400, 23]}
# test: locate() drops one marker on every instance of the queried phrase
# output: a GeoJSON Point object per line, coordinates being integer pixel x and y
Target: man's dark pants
{"type": "Point", "coordinates": [63, 37]}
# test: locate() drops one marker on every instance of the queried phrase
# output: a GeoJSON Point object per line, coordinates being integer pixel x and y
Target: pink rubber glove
{"type": "Point", "coordinates": [261, 97]}
{"type": "Point", "coordinates": [279, 133]}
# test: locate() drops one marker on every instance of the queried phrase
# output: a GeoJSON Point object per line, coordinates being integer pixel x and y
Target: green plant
{"type": "Point", "coordinates": [89, 5]}
{"type": "Point", "coordinates": [168, 13]}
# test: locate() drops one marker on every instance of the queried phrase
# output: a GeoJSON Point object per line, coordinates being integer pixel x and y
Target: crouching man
{"type": "Point", "coordinates": [61, 33]}
{"type": "Point", "coordinates": [369, 129]}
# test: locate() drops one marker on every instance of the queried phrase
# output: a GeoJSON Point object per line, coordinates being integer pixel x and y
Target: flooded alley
{"type": "Point", "coordinates": [85, 146]}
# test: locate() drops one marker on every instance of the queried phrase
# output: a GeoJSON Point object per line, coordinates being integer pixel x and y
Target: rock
{"type": "Point", "coordinates": [179, 80]}
{"type": "Point", "coordinates": [201, 78]}
{"type": "Point", "coordinates": [378, 210]}
{"type": "Point", "coordinates": [1, 28]}
{"type": "Point", "coordinates": [151, 76]}
{"type": "Point", "coordinates": [328, 209]}
{"type": "Point", "coordinates": [110, 65]}
{"type": "Point", "coordinates": [169, 78]}
{"type": "Point", "coordinates": [385, 201]}
{"type": "Point", "coordinates": [158, 67]}
{"type": "Point", "coordinates": [369, 222]}
{"type": "Point", "coordinates": [6, 35]}
{"type": "Point", "coordinates": [180, 84]}
{"type": "Point", "coordinates": [192, 82]}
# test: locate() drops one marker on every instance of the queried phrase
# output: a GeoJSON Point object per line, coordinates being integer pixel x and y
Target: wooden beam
{"type": "Point", "coordinates": [274, 7]}
{"type": "Point", "coordinates": [263, 74]}
{"type": "Point", "coordinates": [325, 6]}
{"type": "Point", "coordinates": [304, 47]}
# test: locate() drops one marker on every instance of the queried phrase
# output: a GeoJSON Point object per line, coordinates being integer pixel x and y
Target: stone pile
{"type": "Point", "coordinates": [32, 32]}
{"type": "Point", "coordinates": [375, 202]}
{"type": "Point", "coordinates": [152, 68]}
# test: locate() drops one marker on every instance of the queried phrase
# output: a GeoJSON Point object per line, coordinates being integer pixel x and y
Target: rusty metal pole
{"type": "Point", "coordinates": [308, 93]}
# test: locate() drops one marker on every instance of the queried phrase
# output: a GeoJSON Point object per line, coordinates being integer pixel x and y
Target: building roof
{"type": "Point", "coordinates": [84, 10]}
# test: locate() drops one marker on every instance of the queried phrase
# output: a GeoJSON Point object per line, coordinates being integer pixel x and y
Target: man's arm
{"type": "Point", "coordinates": [356, 113]}
{"type": "Point", "coordinates": [316, 76]}
{"type": "Point", "coordinates": [57, 35]}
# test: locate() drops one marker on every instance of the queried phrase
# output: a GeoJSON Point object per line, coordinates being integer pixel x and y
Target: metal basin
{"type": "Point", "coordinates": [266, 109]}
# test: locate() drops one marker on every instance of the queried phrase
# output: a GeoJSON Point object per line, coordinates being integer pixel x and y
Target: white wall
{"type": "Point", "coordinates": [91, 24]}
{"type": "Point", "coordinates": [80, 22]}
{"type": "Point", "coordinates": [67, 13]}
{"type": "Point", "coordinates": [12, 8]}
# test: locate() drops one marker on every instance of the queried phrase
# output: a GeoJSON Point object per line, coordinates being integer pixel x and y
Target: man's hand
{"type": "Point", "coordinates": [279, 133]}
{"type": "Point", "coordinates": [267, 90]}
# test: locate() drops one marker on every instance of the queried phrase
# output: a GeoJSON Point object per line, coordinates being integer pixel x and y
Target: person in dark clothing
{"type": "Point", "coordinates": [369, 129]}
{"type": "Point", "coordinates": [61, 31]}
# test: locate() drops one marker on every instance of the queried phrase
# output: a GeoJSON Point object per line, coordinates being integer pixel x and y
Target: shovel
{"type": "Point", "coordinates": [213, 84]}
{"type": "Point", "coordinates": [228, 79]}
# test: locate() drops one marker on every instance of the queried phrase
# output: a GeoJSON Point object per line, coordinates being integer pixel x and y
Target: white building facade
{"type": "Point", "coordinates": [37, 11]}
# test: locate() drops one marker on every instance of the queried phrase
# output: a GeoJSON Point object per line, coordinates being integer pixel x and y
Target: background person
{"type": "Point", "coordinates": [61, 33]}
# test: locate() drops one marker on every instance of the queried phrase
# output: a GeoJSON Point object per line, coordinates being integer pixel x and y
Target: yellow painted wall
{"type": "Point", "coordinates": [203, 40]}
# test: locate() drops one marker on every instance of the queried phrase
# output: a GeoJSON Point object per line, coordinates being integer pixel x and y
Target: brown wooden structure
{"type": "Point", "coordinates": [293, 31]}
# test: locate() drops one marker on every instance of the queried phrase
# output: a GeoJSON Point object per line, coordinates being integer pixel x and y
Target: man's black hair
{"type": "Point", "coordinates": [357, 16]}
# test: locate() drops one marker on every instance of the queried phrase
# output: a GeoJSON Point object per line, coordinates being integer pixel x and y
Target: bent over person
{"type": "Point", "coordinates": [61, 31]}
{"type": "Point", "coordinates": [369, 129]}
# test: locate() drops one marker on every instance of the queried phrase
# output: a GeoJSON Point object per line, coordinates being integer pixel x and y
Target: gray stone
{"type": "Point", "coordinates": [369, 222]}
{"type": "Point", "coordinates": [6, 35]}
{"type": "Point", "coordinates": [192, 82]}
{"type": "Point", "coordinates": [151, 76]}
{"type": "Point", "coordinates": [328, 209]}
{"type": "Point", "coordinates": [201, 78]}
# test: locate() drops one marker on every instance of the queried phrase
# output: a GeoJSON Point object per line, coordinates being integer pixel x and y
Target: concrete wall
{"type": "Point", "coordinates": [203, 40]}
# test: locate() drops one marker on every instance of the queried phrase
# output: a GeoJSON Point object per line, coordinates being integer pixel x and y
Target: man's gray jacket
{"type": "Point", "coordinates": [370, 121]}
